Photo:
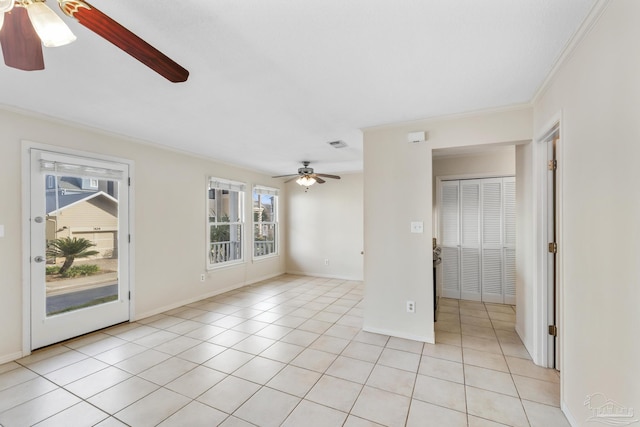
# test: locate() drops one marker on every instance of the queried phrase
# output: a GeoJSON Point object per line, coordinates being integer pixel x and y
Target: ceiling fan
{"type": "Point", "coordinates": [306, 176]}
{"type": "Point", "coordinates": [25, 25]}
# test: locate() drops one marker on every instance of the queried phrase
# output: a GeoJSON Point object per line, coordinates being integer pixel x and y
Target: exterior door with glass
{"type": "Point", "coordinates": [79, 245]}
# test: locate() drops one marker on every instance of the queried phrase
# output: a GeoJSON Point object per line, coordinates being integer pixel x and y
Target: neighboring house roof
{"type": "Point", "coordinates": [65, 200]}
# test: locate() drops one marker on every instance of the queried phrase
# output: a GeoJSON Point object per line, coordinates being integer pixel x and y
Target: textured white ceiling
{"type": "Point", "coordinates": [273, 81]}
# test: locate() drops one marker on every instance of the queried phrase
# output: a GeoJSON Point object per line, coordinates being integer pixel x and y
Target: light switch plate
{"type": "Point", "coordinates": [417, 227]}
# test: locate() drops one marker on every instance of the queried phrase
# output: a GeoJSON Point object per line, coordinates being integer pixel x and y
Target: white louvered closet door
{"type": "Point", "coordinates": [492, 290]}
{"type": "Point", "coordinates": [478, 239]}
{"type": "Point", "coordinates": [470, 240]}
{"type": "Point", "coordinates": [509, 248]}
{"type": "Point", "coordinates": [450, 238]}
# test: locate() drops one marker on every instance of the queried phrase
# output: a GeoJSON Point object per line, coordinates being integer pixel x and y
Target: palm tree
{"type": "Point", "coordinates": [70, 249]}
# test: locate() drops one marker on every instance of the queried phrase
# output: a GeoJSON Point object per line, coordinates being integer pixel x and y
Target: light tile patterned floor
{"type": "Point", "coordinates": [288, 351]}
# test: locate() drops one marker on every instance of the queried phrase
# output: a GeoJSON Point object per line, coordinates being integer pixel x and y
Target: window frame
{"type": "Point", "coordinates": [221, 185]}
{"type": "Point", "coordinates": [275, 192]}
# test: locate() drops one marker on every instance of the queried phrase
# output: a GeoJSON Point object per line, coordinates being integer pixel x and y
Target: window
{"type": "Point", "coordinates": [225, 222]}
{"type": "Point", "coordinates": [265, 221]}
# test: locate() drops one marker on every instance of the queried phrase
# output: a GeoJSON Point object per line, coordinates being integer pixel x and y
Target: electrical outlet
{"type": "Point", "coordinates": [411, 306]}
{"type": "Point", "coordinates": [202, 277]}
{"type": "Point", "coordinates": [326, 261]}
{"type": "Point", "coordinates": [417, 226]}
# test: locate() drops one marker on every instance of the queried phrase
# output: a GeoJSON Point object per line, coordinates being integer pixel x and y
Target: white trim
{"type": "Point", "coordinates": [26, 146]}
{"type": "Point", "coordinates": [453, 116]}
{"type": "Point", "coordinates": [394, 333]}
{"type": "Point", "coordinates": [226, 264]}
{"type": "Point", "coordinates": [269, 191]}
{"type": "Point", "coordinates": [565, 410]}
{"type": "Point", "coordinates": [226, 184]}
{"type": "Point", "coordinates": [264, 258]}
{"type": "Point", "coordinates": [11, 357]}
{"type": "Point", "coordinates": [216, 184]}
{"type": "Point", "coordinates": [25, 192]}
{"type": "Point", "coordinates": [540, 291]}
{"type": "Point", "coordinates": [204, 296]}
{"type": "Point", "coordinates": [53, 164]}
{"type": "Point", "coordinates": [324, 276]}
{"type": "Point", "coordinates": [585, 28]}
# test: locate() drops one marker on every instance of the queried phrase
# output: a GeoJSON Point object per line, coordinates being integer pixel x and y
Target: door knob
{"type": "Point", "coordinates": [39, 258]}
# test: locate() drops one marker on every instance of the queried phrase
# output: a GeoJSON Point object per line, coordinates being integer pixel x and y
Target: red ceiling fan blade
{"type": "Point", "coordinates": [115, 33]}
{"type": "Point", "coordinates": [21, 46]}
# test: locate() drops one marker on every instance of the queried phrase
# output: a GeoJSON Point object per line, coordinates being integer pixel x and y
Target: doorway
{"type": "Point", "coordinates": [552, 278]}
{"type": "Point", "coordinates": [78, 227]}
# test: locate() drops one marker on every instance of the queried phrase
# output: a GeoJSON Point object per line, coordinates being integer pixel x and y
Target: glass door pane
{"type": "Point", "coordinates": [81, 243]}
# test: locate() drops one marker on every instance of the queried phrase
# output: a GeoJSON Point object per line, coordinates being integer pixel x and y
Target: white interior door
{"type": "Point", "coordinates": [470, 241]}
{"type": "Point", "coordinates": [478, 238]}
{"type": "Point", "coordinates": [450, 238]}
{"type": "Point", "coordinates": [509, 248]}
{"type": "Point", "coordinates": [79, 250]}
{"type": "Point", "coordinates": [492, 265]}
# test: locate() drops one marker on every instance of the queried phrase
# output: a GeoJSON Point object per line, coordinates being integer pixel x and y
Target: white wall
{"type": "Point", "coordinates": [487, 163]}
{"type": "Point", "coordinates": [326, 222]}
{"type": "Point", "coordinates": [398, 182]}
{"type": "Point", "coordinates": [498, 162]}
{"type": "Point", "coordinates": [598, 92]}
{"type": "Point", "coordinates": [170, 215]}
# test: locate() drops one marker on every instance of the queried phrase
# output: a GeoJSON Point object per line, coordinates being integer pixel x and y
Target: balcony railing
{"type": "Point", "coordinates": [225, 251]}
{"type": "Point", "coordinates": [231, 251]}
{"type": "Point", "coordinates": [264, 247]}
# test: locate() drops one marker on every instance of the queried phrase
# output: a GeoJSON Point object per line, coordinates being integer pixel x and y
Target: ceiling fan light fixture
{"type": "Point", "coordinates": [6, 5]}
{"type": "Point", "coordinates": [306, 181]}
{"type": "Point", "coordinates": [50, 27]}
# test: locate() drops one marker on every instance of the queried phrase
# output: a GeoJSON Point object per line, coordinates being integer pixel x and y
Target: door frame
{"type": "Point", "coordinates": [25, 148]}
{"type": "Point", "coordinates": [543, 289]}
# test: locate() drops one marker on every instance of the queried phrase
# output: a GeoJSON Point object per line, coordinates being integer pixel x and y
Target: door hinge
{"type": "Point", "coordinates": [553, 330]}
{"type": "Point", "coordinates": [129, 237]}
{"type": "Point", "coordinates": [129, 295]}
{"type": "Point", "coordinates": [552, 165]}
{"type": "Point", "coordinates": [129, 181]}
{"type": "Point", "coordinates": [553, 248]}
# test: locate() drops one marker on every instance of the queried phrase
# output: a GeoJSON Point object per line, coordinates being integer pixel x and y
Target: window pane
{"type": "Point", "coordinates": [224, 206]}
{"type": "Point", "coordinates": [226, 243]}
{"type": "Point", "coordinates": [264, 237]}
{"type": "Point", "coordinates": [82, 236]}
{"type": "Point", "coordinates": [263, 208]}
{"type": "Point", "coordinates": [265, 224]}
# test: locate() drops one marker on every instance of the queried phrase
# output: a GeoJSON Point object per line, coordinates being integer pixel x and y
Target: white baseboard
{"type": "Point", "coordinates": [11, 357]}
{"type": "Point", "coordinates": [203, 296]}
{"type": "Point", "coordinates": [568, 415]}
{"type": "Point", "coordinates": [325, 276]}
{"type": "Point", "coordinates": [421, 338]}
{"type": "Point", "coordinates": [524, 342]}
